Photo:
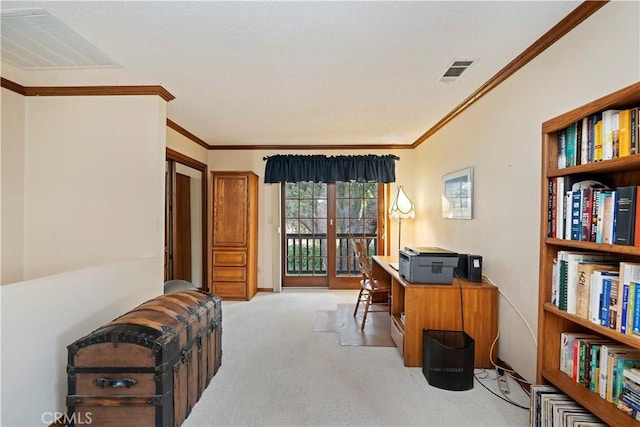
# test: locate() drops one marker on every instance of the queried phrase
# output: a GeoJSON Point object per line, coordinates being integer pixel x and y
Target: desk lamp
{"type": "Point", "coordinates": [400, 209]}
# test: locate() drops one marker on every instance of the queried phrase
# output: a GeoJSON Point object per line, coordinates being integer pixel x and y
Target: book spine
{"type": "Point", "coordinates": [624, 132]}
{"type": "Point", "coordinates": [633, 131]}
{"type": "Point", "coordinates": [632, 378]}
{"type": "Point", "coordinates": [625, 308]}
{"type": "Point", "coordinates": [636, 311]}
{"type": "Point", "coordinates": [595, 363]}
{"type": "Point", "coordinates": [591, 121]}
{"type": "Point", "coordinates": [636, 225]}
{"type": "Point", "coordinates": [613, 304]}
{"type": "Point", "coordinates": [625, 215]}
{"type": "Point", "coordinates": [551, 215]}
{"type": "Point", "coordinates": [608, 216]}
{"type": "Point", "coordinates": [632, 307]}
{"type": "Point", "coordinates": [562, 149]}
{"type": "Point", "coordinates": [563, 284]}
{"type": "Point", "coordinates": [597, 135]}
{"type": "Point", "coordinates": [585, 217]}
{"type": "Point", "coordinates": [570, 133]}
{"type": "Point", "coordinates": [576, 213]}
{"type": "Point", "coordinates": [604, 307]}
{"type": "Point", "coordinates": [595, 204]}
{"type": "Point", "coordinates": [578, 126]}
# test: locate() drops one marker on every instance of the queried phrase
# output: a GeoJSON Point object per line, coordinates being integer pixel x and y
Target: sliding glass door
{"type": "Point", "coordinates": [318, 220]}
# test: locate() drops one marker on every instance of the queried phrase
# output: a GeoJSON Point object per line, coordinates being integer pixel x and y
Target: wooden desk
{"type": "Point", "coordinates": [428, 306]}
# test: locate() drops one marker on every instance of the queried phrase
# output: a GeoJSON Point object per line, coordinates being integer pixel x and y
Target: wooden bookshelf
{"type": "Point", "coordinates": [551, 320]}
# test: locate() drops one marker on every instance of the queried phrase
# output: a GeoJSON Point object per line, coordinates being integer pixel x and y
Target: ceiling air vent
{"type": "Point", "coordinates": [455, 70]}
{"type": "Point", "coordinates": [35, 39]}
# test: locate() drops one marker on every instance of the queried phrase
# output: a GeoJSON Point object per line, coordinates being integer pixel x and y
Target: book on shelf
{"type": "Point", "coordinates": [576, 215]}
{"type": "Point", "coordinates": [624, 132]}
{"type": "Point", "coordinates": [568, 283]}
{"type": "Point", "coordinates": [567, 347]}
{"type": "Point", "coordinates": [597, 132]}
{"type": "Point", "coordinates": [579, 207]}
{"type": "Point", "coordinates": [536, 401]}
{"type": "Point", "coordinates": [631, 307]}
{"type": "Point", "coordinates": [594, 379]}
{"type": "Point", "coordinates": [554, 283]}
{"type": "Point", "coordinates": [583, 135]}
{"type": "Point", "coordinates": [605, 301]}
{"type": "Point", "coordinates": [608, 218]}
{"type": "Point", "coordinates": [562, 408]}
{"type": "Point", "coordinates": [632, 374]}
{"type": "Point", "coordinates": [636, 223]}
{"type": "Point", "coordinates": [624, 407]}
{"type": "Point", "coordinates": [602, 195]}
{"type": "Point", "coordinates": [609, 125]}
{"type": "Point", "coordinates": [606, 354]}
{"type": "Point", "coordinates": [598, 300]}
{"type": "Point", "coordinates": [613, 302]}
{"type": "Point", "coordinates": [621, 363]}
{"type": "Point", "coordinates": [584, 271]}
{"type": "Point", "coordinates": [591, 122]}
{"type": "Point", "coordinates": [635, 324]}
{"type": "Point", "coordinates": [625, 205]}
{"type": "Point", "coordinates": [571, 144]}
{"type": "Point", "coordinates": [551, 207]}
{"type": "Point", "coordinates": [628, 271]}
{"type": "Point", "coordinates": [560, 210]}
{"type": "Point", "coordinates": [633, 130]}
{"type": "Point", "coordinates": [562, 149]}
{"type": "Point", "coordinates": [586, 205]}
{"type": "Point", "coordinates": [582, 358]}
{"type": "Point", "coordinates": [629, 397]}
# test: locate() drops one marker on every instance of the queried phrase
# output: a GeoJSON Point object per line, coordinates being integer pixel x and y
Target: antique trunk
{"type": "Point", "coordinates": [149, 366]}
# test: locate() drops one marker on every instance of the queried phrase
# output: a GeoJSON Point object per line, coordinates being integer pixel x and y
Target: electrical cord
{"type": "Point", "coordinates": [461, 302]}
{"type": "Point", "coordinates": [488, 279]}
{"type": "Point", "coordinates": [496, 394]}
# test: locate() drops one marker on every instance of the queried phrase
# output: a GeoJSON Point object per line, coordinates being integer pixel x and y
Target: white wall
{"type": "Point", "coordinates": [93, 221]}
{"type": "Point", "coordinates": [91, 180]}
{"type": "Point", "coordinates": [41, 317]}
{"type": "Point", "coordinates": [500, 136]}
{"type": "Point", "coordinates": [12, 149]}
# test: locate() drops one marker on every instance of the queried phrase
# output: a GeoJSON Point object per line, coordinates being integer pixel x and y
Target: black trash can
{"type": "Point", "coordinates": [447, 359]}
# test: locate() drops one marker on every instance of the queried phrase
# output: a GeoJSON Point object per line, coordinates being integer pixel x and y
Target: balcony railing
{"type": "Point", "coordinates": [306, 254]}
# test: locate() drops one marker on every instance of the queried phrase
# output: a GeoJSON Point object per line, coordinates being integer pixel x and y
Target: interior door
{"type": "Point", "coordinates": [186, 225]}
{"type": "Point", "coordinates": [182, 238]}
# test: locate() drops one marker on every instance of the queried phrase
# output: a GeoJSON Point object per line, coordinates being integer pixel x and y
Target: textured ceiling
{"type": "Point", "coordinates": [299, 73]}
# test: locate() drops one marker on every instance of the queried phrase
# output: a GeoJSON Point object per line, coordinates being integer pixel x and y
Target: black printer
{"type": "Point", "coordinates": [427, 265]}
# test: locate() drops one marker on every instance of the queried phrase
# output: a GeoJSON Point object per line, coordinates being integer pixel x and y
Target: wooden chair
{"type": "Point", "coordinates": [371, 291]}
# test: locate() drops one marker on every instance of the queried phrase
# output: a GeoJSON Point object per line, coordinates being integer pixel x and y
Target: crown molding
{"type": "Point", "coordinates": [86, 90]}
{"type": "Point", "coordinates": [12, 86]}
{"type": "Point", "coordinates": [313, 147]}
{"type": "Point", "coordinates": [182, 131]}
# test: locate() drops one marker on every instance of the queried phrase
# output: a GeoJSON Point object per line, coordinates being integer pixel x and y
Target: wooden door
{"type": "Point", "coordinates": [182, 238]}
{"type": "Point", "coordinates": [231, 210]}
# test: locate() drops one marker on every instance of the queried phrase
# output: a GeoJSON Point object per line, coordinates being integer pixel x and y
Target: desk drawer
{"type": "Point", "coordinates": [398, 336]}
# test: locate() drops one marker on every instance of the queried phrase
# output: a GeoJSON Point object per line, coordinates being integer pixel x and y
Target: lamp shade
{"type": "Point", "coordinates": [401, 208]}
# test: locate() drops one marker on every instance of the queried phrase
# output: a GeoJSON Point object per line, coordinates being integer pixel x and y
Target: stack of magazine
{"type": "Point", "coordinates": [552, 408]}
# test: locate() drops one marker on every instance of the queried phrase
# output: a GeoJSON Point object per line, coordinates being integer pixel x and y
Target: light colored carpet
{"type": "Point", "coordinates": [277, 372]}
{"type": "Point", "coordinates": [377, 331]}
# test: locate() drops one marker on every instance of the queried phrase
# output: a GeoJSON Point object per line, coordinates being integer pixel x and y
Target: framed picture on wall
{"type": "Point", "coordinates": [457, 194]}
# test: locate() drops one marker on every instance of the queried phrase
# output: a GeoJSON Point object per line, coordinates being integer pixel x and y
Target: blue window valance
{"type": "Point", "coordinates": [320, 168]}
